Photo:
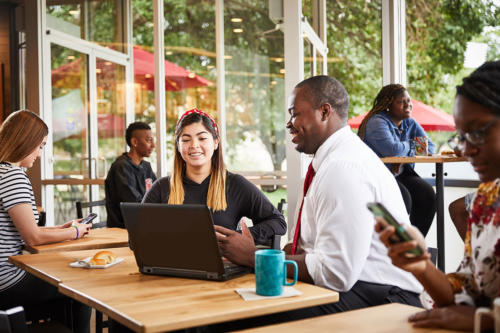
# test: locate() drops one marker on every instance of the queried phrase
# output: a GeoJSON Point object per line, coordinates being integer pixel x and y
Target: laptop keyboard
{"type": "Point", "coordinates": [228, 264]}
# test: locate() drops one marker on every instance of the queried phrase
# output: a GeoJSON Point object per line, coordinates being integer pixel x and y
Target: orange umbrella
{"type": "Point", "coordinates": [429, 118]}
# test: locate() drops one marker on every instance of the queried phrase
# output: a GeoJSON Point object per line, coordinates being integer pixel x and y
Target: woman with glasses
{"type": "Point", "coordinates": [476, 283]}
{"type": "Point", "coordinates": [389, 130]}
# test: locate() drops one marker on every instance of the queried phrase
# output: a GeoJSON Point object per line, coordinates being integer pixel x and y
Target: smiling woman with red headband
{"type": "Point", "coordinates": [200, 177]}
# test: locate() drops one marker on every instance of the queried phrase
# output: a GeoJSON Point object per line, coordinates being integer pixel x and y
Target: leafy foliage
{"type": "Point", "coordinates": [437, 33]}
{"type": "Point", "coordinates": [354, 40]}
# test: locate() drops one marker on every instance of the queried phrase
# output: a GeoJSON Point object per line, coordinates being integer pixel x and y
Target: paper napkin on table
{"type": "Point", "coordinates": [248, 294]}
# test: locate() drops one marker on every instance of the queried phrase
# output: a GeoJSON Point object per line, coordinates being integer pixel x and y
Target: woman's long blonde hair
{"type": "Point", "coordinates": [20, 134]}
{"type": "Point", "coordinates": [216, 197]}
{"type": "Point", "coordinates": [382, 102]}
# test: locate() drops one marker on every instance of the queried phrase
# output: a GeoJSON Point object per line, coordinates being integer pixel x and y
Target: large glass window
{"type": "Point", "coordinates": [69, 112]}
{"type": "Point", "coordinates": [111, 109]}
{"type": "Point", "coordinates": [99, 21]}
{"type": "Point", "coordinates": [254, 88]}
{"type": "Point", "coordinates": [190, 73]}
{"type": "Point", "coordinates": [88, 98]}
{"type": "Point", "coordinates": [69, 127]}
{"type": "Point", "coordinates": [436, 41]}
{"type": "Point", "coordinates": [254, 78]}
{"type": "Point", "coordinates": [354, 40]}
{"type": "Point", "coordinates": [144, 66]}
{"type": "Point", "coordinates": [190, 61]}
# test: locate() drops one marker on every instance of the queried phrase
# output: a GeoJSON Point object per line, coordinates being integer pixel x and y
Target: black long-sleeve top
{"type": "Point", "coordinates": [243, 199]}
{"type": "Point", "coordinates": [125, 182]}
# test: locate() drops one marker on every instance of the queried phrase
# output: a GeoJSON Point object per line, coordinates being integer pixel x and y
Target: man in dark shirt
{"type": "Point", "coordinates": [130, 176]}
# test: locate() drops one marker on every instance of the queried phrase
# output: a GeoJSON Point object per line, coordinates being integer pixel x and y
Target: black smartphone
{"type": "Point", "coordinates": [401, 235]}
{"type": "Point", "coordinates": [89, 218]}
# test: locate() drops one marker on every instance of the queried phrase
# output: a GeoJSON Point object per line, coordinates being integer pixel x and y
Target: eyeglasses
{"type": "Point", "coordinates": [475, 138]}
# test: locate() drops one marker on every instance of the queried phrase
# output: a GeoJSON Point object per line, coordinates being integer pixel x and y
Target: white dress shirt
{"type": "Point", "coordinates": [337, 229]}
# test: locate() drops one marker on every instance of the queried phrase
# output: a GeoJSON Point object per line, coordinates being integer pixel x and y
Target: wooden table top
{"type": "Point", "coordinates": [389, 318]}
{"type": "Point", "coordinates": [53, 267]}
{"type": "Point", "coordinates": [424, 159]}
{"type": "Point", "coordinates": [149, 303]}
{"type": "Point", "coordinates": [96, 239]}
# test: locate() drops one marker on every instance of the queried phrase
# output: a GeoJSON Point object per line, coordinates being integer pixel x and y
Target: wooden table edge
{"type": "Point", "coordinates": [423, 159]}
{"type": "Point", "coordinates": [36, 272]}
{"type": "Point", "coordinates": [77, 247]}
{"type": "Point", "coordinates": [285, 326]}
{"type": "Point", "coordinates": [252, 313]}
{"type": "Point", "coordinates": [99, 306]}
{"type": "Point", "coordinates": [199, 321]}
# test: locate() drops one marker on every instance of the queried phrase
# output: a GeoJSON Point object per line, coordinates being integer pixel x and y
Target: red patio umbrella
{"type": "Point", "coordinates": [429, 118]}
{"type": "Point", "coordinates": [110, 125]}
{"type": "Point", "coordinates": [176, 77]}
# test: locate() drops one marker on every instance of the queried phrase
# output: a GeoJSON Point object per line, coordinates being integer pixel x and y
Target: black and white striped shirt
{"type": "Point", "coordinates": [15, 188]}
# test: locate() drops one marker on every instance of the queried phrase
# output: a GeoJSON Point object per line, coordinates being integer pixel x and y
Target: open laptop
{"type": "Point", "coordinates": [176, 240]}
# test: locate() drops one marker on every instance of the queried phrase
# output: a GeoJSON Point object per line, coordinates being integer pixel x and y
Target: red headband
{"type": "Point", "coordinates": [200, 113]}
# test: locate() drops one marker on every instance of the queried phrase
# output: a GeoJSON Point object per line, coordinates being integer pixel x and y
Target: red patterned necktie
{"type": "Point", "coordinates": [309, 177]}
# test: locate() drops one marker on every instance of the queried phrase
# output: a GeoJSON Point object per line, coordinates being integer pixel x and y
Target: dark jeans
{"type": "Point", "coordinates": [419, 198]}
{"type": "Point", "coordinates": [361, 295]}
{"type": "Point", "coordinates": [35, 294]}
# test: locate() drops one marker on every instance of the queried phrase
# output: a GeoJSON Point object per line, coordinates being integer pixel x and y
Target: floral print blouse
{"type": "Point", "coordinates": [477, 280]}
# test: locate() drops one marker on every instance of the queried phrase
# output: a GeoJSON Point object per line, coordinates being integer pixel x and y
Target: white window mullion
{"type": "Point", "coordinates": [83, 46]}
{"type": "Point", "coordinates": [309, 33]}
{"type": "Point", "coordinates": [221, 72]}
{"type": "Point", "coordinates": [322, 33]}
{"type": "Point", "coordinates": [294, 73]}
{"type": "Point", "coordinates": [400, 8]}
{"type": "Point", "coordinates": [92, 128]}
{"type": "Point", "coordinates": [393, 42]}
{"type": "Point", "coordinates": [47, 159]}
{"type": "Point", "coordinates": [160, 114]}
{"type": "Point", "coordinates": [129, 67]}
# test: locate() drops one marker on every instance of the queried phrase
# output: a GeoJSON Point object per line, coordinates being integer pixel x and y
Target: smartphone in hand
{"type": "Point", "coordinates": [400, 235]}
{"type": "Point", "coordinates": [89, 218]}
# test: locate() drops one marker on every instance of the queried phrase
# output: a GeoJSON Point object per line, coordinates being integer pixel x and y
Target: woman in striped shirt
{"type": "Point", "coordinates": [22, 137]}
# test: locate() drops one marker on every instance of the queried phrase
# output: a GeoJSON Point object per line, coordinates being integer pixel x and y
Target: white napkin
{"type": "Point", "coordinates": [248, 294]}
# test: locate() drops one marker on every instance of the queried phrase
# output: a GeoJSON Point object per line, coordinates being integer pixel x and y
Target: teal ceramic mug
{"type": "Point", "coordinates": [270, 272]}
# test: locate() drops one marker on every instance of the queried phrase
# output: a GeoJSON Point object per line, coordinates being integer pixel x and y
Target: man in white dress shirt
{"type": "Point", "coordinates": [337, 246]}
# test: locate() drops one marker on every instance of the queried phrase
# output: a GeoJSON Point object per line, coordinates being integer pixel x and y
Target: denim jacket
{"type": "Point", "coordinates": [387, 140]}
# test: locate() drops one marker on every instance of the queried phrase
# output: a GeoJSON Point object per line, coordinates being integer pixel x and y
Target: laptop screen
{"type": "Point", "coordinates": [172, 236]}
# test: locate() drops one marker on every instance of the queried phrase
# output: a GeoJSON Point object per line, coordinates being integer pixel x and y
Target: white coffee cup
{"type": "Point", "coordinates": [494, 313]}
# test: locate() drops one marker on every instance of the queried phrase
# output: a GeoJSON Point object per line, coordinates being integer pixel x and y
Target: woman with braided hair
{"type": "Point", "coordinates": [476, 283]}
{"type": "Point", "coordinates": [200, 177]}
{"type": "Point", "coordinates": [389, 130]}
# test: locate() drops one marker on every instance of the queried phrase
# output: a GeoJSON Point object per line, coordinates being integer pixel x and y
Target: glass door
{"type": "Point", "coordinates": [87, 126]}
{"type": "Point", "coordinates": [109, 139]}
{"type": "Point", "coordinates": [86, 64]}
{"type": "Point", "coordinates": [69, 129]}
